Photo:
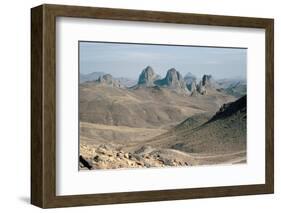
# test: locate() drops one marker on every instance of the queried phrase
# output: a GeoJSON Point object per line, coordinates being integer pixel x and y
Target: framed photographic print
{"type": "Point", "coordinates": [136, 106]}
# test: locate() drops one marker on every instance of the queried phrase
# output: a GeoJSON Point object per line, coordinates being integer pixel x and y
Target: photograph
{"type": "Point", "coordinates": [161, 105]}
{"type": "Point", "coordinates": [148, 104]}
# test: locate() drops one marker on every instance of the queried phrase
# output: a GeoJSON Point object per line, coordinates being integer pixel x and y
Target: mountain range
{"type": "Point", "coordinates": [126, 82]}
{"type": "Point", "coordinates": [173, 80]}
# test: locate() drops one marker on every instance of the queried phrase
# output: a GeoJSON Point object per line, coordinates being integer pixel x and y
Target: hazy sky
{"type": "Point", "coordinates": [128, 60]}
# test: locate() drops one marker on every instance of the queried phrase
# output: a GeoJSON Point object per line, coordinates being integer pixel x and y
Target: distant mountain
{"type": "Point", "coordinates": [235, 87]}
{"type": "Point", "coordinates": [90, 76]}
{"type": "Point", "coordinates": [237, 90]}
{"type": "Point", "coordinates": [173, 80]}
{"type": "Point", "coordinates": [191, 83]}
{"type": "Point", "coordinates": [189, 78]}
{"type": "Point", "coordinates": [108, 80]}
{"type": "Point", "coordinates": [207, 83]}
{"type": "Point", "coordinates": [94, 76]}
{"type": "Point", "coordinates": [228, 82]}
{"type": "Point", "coordinates": [147, 77]}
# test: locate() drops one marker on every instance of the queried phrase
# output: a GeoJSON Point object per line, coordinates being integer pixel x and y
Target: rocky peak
{"type": "Point", "coordinates": [206, 83]}
{"type": "Point", "coordinates": [207, 80]}
{"type": "Point", "coordinates": [147, 77]}
{"type": "Point", "coordinates": [174, 79]}
{"type": "Point", "coordinates": [189, 78]}
{"type": "Point", "coordinates": [201, 88]}
{"type": "Point", "coordinates": [191, 82]}
{"type": "Point", "coordinates": [192, 88]}
{"type": "Point", "coordinates": [108, 80]}
{"type": "Point", "coordinates": [173, 76]}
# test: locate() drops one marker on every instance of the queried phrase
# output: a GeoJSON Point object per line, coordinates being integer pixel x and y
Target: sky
{"type": "Point", "coordinates": [128, 60]}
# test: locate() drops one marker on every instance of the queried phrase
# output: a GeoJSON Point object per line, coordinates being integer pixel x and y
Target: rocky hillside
{"type": "Point", "coordinates": [142, 107]}
{"type": "Point", "coordinates": [198, 140]}
{"type": "Point", "coordinates": [235, 87]}
{"type": "Point", "coordinates": [224, 132]}
{"type": "Point", "coordinates": [239, 89]}
{"type": "Point", "coordinates": [230, 109]}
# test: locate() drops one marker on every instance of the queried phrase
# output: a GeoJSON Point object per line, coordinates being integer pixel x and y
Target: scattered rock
{"type": "Point", "coordinates": [126, 155]}
{"type": "Point", "coordinates": [84, 162]}
{"type": "Point", "coordinates": [108, 157]}
{"type": "Point", "coordinates": [96, 158]}
{"type": "Point", "coordinates": [139, 163]}
{"type": "Point", "coordinates": [144, 150]}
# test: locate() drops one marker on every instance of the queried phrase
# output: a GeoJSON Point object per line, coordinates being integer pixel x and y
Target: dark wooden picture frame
{"type": "Point", "coordinates": [43, 105]}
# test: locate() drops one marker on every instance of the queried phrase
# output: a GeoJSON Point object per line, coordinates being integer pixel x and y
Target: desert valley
{"type": "Point", "coordinates": [156, 121]}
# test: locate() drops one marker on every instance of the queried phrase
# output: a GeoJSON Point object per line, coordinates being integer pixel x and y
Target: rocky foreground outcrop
{"type": "Point", "coordinates": [108, 157]}
{"type": "Point", "coordinates": [228, 109]}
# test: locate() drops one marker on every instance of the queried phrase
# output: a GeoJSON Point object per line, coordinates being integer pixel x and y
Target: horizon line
{"type": "Point", "coordinates": [105, 73]}
{"type": "Point", "coordinates": [176, 45]}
